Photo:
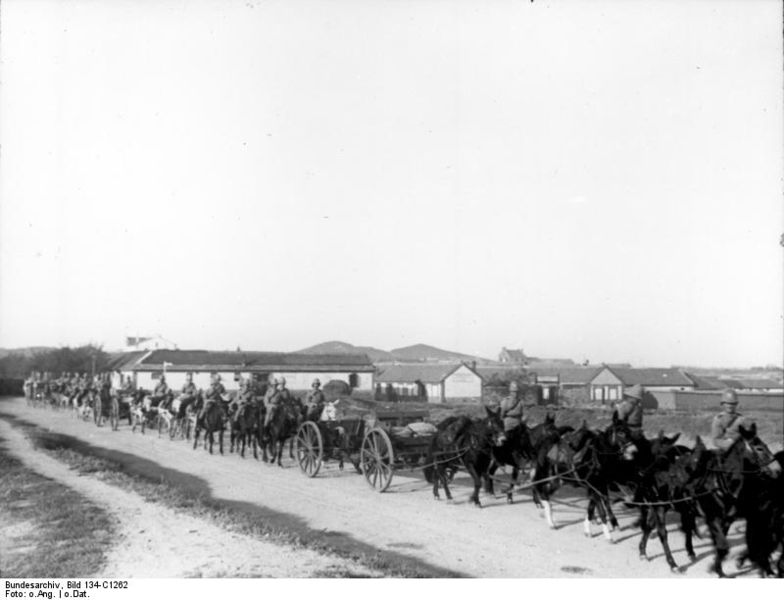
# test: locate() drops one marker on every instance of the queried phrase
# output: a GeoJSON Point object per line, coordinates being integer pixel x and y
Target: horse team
{"type": "Point", "coordinates": [612, 464]}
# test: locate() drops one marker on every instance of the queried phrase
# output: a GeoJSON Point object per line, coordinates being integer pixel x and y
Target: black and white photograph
{"type": "Point", "coordinates": [414, 289]}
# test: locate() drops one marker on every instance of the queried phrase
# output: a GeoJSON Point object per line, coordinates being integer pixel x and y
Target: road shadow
{"type": "Point", "coordinates": [196, 488]}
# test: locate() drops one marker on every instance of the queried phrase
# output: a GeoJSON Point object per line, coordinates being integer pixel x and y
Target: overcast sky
{"type": "Point", "coordinates": [592, 180]}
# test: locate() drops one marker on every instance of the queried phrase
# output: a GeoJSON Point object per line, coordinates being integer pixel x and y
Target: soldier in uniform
{"type": "Point", "coordinates": [160, 392]}
{"type": "Point", "coordinates": [724, 427]}
{"type": "Point", "coordinates": [281, 396]}
{"type": "Point", "coordinates": [512, 408]}
{"type": "Point", "coordinates": [315, 402]}
{"type": "Point", "coordinates": [630, 409]}
{"type": "Point", "coordinates": [189, 389]}
{"type": "Point", "coordinates": [214, 394]}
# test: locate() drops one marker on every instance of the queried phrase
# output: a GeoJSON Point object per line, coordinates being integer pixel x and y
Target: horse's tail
{"type": "Point", "coordinates": [429, 471]}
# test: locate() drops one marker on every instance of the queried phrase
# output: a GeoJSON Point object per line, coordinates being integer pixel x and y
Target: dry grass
{"type": "Point", "coordinates": [47, 529]}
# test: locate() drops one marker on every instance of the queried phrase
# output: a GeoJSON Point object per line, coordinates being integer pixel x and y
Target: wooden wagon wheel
{"type": "Point", "coordinates": [310, 448]}
{"type": "Point", "coordinates": [377, 459]}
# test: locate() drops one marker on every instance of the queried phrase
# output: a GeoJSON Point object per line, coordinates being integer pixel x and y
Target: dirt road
{"type": "Point", "coordinates": [499, 540]}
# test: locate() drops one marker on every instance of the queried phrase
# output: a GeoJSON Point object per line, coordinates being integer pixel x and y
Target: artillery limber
{"type": "Point", "coordinates": [377, 445]}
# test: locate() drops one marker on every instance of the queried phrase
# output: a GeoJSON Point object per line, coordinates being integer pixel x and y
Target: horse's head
{"type": "Point", "coordinates": [663, 446]}
{"type": "Point", "coordinates": [619, 437]}
{"type": "Point", "coordinates": [755, 451]}
{"type": "Point", "coordinates": [495, 425]}
{"type": "Point", "coordinates": [578, 439]}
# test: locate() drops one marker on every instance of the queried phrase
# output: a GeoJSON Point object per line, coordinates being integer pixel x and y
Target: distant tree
{"type": "Point", "coordinates": [56, 361]}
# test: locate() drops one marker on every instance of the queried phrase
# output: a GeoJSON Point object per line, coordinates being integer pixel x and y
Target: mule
{"type": "Point", "coordinates": [724, 485]}
{"type": "Point", "coordinates": [282, 424]}
{"type": "Point", "coordinates": [765, 524]}
{"type": "Point", "coordinates": [244, 428]}
{"type": "Point", "coordinates": [588, 459]}
{"type": "Point", "coordinates": [211, 420]}
{"type": "Point", "coordinates": [663, 484]}
{"type": "Point", "coordinates": [466, 442]}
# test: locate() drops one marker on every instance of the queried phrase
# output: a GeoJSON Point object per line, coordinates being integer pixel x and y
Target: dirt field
{"type": "Point", "coordinates": [336, 509]}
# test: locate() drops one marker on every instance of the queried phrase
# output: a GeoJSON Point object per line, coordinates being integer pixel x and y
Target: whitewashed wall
{"type": "Point", "coordinates": [294, 381]}
{"type": "Point", "coordinates": [303, 381]}
{"type": "Point", "coordinates": [463, 383]}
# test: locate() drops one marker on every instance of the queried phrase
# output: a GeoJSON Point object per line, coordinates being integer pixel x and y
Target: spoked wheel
{"type": "Point", "coordinates": [310, 448]}
{"type": "Point", "coordinates": [377, 459]}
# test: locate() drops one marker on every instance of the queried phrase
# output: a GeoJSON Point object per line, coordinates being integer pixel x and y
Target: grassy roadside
{"type": "Point", "coordinates": [232, 519]}
{"type": "Point", "coordinates": [47, 529]}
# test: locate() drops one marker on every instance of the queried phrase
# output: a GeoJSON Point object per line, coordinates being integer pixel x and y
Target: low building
{"type": "Point", "coordinates": [568, 385]}
{"type": "Point", "coordinates": [299, 369]}
{"type": "Point", "coordinates": [513, 357]}
{"type": "Point", "coordinates": [753, 384]}
{"type": "Point", "coordinates": [609, 383]}
{"type": "Point", "coordinates": [154, 342]}
{"type": "Point", "coordinates": [429, 382]}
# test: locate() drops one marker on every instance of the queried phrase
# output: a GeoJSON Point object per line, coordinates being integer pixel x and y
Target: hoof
{"type": "Point", "coordinates": [677, 570]}
{"type": "Point", "coordinates": [644, 557]}
{"type": "Point", "coordinates": [692, 557]}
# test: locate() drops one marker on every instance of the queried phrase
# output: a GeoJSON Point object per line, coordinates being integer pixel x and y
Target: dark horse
{"type": "Point", "coordinates": [664, 475]}
{"type": "Point", "coordinates": [245, 428]}
{"type": "Point", "coordinates": [588, 459]}
{"type": "Point", "coordinates": [213, 419]}
{"type": "Point", "coordinates": [466, 442]}
{"type": "Point", "coordinates": [520, 449]}
{"type": "Point", "coordinates": [726, 486]}
{"type": "Point", "coordinates": [282, 423]}
{"type": "Point", "coordinates": [765, 524]}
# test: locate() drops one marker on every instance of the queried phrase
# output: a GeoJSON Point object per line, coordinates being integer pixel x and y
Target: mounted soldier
{"type": "Point", "coordinates": [630, 409]}
{"type": "Point", "coordinates": [315, 402]}
{"type": "Point", "coordinates": [160, 392]}
{"type": "Point", "coordinates": [725, 425]}
{"type": "Point", "coordinates": [512, 408]}
{"type": "Point", "coordinates": [215, 393]}
{"type": "Point", "coordinates": [280, 397]}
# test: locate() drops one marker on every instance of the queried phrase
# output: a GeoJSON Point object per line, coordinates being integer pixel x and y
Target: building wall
{"type": "Point", "coordinates": [668, 388]}
{"type": "Point", "coordinates": [176, 379]}
{"type": "Point", "coordinates": [304, 380]}
{"type": "Point", "coordinates": [574, 395]}
{"type": "Point", "coordinates": [663, 399]}
{"type": "Point", "coordinates": [699, 401]}
{"type": "Point", "coordinates": [463, 383]}
{"type": "Point", "coordinates": [606, 388]}
{"type": "Point", "coordinates": [294, 381]}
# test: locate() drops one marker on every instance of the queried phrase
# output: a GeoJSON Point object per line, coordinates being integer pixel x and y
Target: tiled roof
{"type": "Point", "coordinates": [410, 373]}
{"type": "Point", "coordinates": [120, 361]}
{"type": "Point", "coordinates": [706, 383]}
{"type": "Point", "coordinates": [515, 355]}
{"type": "Point", "coordinates": [759, 383]}
{"type": "Point", "coordinates": [569, 375]}
{"type": "Point", "coordinates": [652, 377]}
{"type": "Point", "coordinates": [257, 360]}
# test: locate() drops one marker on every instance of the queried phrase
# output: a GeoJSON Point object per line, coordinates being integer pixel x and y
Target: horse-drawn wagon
{"type": "Point", "coordinates": [377, 445]}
